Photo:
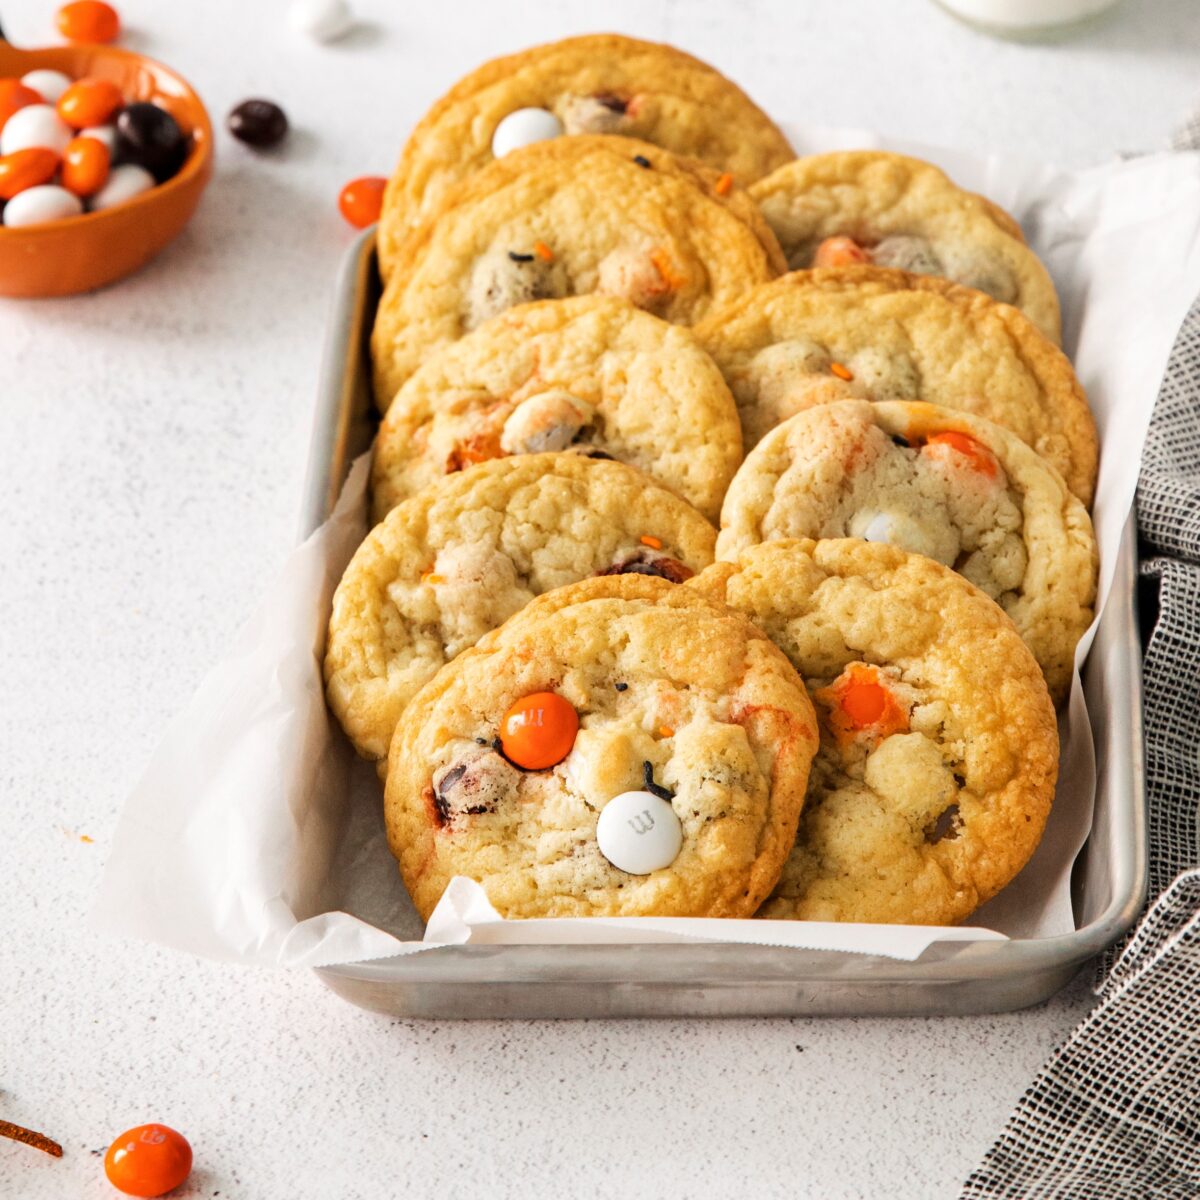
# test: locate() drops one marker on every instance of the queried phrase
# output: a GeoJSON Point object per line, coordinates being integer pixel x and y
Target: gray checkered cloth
{"type": "Point", "coordinates": [1115, 1114]}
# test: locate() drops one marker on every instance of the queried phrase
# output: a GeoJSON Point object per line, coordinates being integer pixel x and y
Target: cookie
{"type": "Point", "coordinates": [904, 213]}
{"type": "Point", "coordinates": [600, 83]}
{"type": "Point", "coordinates": [936, 482]}
{"type": "Point", "coordinates": [563, 218]}
{"type": "Point", "coordinates": [592, 373]}
{"type": "Point", "coordinates": [939, 750]}
{"type": "Point", "coordinates": [874, 334]}
{"type": "Point", "coordinates": [672, 709]}
{"type": "Point", "coordinates": [463, 555]}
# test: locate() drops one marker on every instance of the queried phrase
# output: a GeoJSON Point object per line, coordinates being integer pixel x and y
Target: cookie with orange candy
{"type": "Point", "coordinates": [939, 748]}
{"type": "Point", "coordinates": [870, 333]}
{"type": "Point", "coordinates": [621, 747]}
{"type": "Point", "coordinates": [937, 482]}
{"type": "Point", "coordinates": [464, 554]}
{"type": "Point", "coordinates": [869, 206]}
{"type": "Point", "coordinates": [569, 217]}
{"type": "Point", "coordinates": [598, 83]}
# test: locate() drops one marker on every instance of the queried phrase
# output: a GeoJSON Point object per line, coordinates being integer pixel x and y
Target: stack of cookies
{"type": "Point", "coordinates": [732, 540]}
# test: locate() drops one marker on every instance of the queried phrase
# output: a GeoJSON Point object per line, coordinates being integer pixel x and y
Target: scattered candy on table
{"type": "Point", "coordinates": [522, 127]}
{"type": "Point", "coordinates": [323, 20]}
{"type": "Point", "coordinates": [539, 730]}
{"type": "Point", "coordinates": [361, 200]}
{"type": "Point", "coordinates": [88, 21]}
{"type": "Point", "coordinates": [258, 123]}
{"type": "Point", "coordinates": [148, 1160]}
{"type": "Point", "coordinates": [78, 141]}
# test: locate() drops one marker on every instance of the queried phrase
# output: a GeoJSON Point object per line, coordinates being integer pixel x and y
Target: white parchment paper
{"type": "Point", "coordinates": [256, 834]}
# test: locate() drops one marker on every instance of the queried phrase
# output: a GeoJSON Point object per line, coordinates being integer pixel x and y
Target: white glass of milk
{"type": "Point", "coordinates": [1026, 18]}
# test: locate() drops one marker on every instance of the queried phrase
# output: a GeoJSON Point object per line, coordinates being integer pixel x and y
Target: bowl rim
{"type": "Point", "coordinates": [198, 161]}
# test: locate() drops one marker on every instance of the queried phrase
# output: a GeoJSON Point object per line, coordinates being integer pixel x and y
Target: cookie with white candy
{"type": "Point", "coordinates": [939, 747]}
{"type": "Point", "coordinates": [932, 481]}
{"type": "Point", "coordinates": [870, 333]}
{"type": "Point", "coordinates": [570, 217]}
{"type": "Point", "coordinates": [590, 373]}
{"type": "Point", "coordinates": [869, 206]}
{"type": "Point", "coordinates": [464, 554]}
{"type": "Point", "coordinates": [621, 747]}
{"type": "Point", "coordinates": [598, 83]}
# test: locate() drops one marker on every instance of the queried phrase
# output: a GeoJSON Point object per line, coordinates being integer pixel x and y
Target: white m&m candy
{"type": "Point", "coordinates": [123, 183]}
{"type": "Point", "coordinates": [638, 832]}
{"type": "Point", "coordinates": [35, 126]}
{"type": "Point", "coordinates": [48, 84]}
{"type": "Point", "coordinates": [523, 127]}
{"type": "Point", "coordinates": [102, 133]}
{"type": "Point", "coordinates": [37, 205]}
{"type": "Point", "coordinates": [323, 20]}
{"type": "Point", "coordinates": [897, 529]}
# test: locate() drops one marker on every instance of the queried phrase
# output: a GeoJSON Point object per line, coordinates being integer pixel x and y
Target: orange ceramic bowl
{"type": "Point", "coordinates": [80, 253]}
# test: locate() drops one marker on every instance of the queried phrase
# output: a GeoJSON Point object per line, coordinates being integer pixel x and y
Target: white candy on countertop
{"type": "Point", "coordinates": [123, 183]}
{"type": "Point", "coordinates": [639, 832]}
{"type": "Point", "coordinates": [102, 133]}
{"type": "Point", "coordinates": [48, 84]}
{"type": "Point", "coordinates": [37, 205]}
{"type": "Point", "coordinates": [35, 125]}
{"type": "Point", "coordinates": [324, 20]}
{"type": "Point", "coordinates": [522, 128]}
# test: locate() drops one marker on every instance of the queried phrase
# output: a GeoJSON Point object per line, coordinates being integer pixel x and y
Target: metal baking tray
{"type": "Point", "coordinates": [726, 980]}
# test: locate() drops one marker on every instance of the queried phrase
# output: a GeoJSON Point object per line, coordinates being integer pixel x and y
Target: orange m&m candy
{"type": "Point", "coordinates": [361, 200]}
{"type": "Point", "coordinates": [148, 1160]}
{"type": "Point", "coordinates": [979, 456]}
{"type": "Point", "coordinates": [14, 95]}
{"type": "Point", "coordinates": [25, 169]}
{"type": "Point", "coordinates": [89, 102]}
{"type": "Point", "coordinates": [85, 165]}
{"type": "Point", "coordinates": [860, 701]}
{"type": "Point", "coordinates": [88, 21]}
{"type": "Point", "coordinates": [839, 252]}
{"type": "Point", "coordinates": [539, 730]}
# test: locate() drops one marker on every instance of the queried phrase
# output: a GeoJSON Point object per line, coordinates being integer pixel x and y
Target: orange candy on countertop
{"type": "Point", "coordinates": [539, 730]}
{"type": "Point", "coordinates": [89, 102]}
{"type": "Point", "coordinates": [90, 21]}
{"type": "Point", "coordinates": [148, 1160]}
{"type": "Point", "coordinates": [85, 166]}
{"type": "Point", "coordinates": [361, 200]}
{"type": "Point", "coordinates": [25, 169]}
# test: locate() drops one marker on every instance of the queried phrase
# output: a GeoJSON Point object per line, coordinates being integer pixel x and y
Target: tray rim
{"type": "Point", "coordinates": [667, 965]}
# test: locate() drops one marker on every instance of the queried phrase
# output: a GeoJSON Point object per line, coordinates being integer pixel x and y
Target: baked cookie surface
{"type": "Point", "coordinates": [592, 372]}
{"type": "Point", "coordinates": [463, 555]}
{"type": "Point", "coordinates": [939, 750]}
{"type": "Point", "coordinates": [936, 482]}
{"type": "Point", "coordinates": [600, 83]}
{"type": "Point", "coordinates": [569, 217]}
{"type": "Point", "coordinates": [875, 334]}
{"type": "Point", "coordinates": [671, 691]}
{"type": "Point", "coordinates": [905, 213]}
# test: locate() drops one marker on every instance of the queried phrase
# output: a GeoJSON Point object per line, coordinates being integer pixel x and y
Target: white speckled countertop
{"type": "Point", "coordinates": [152, 444]}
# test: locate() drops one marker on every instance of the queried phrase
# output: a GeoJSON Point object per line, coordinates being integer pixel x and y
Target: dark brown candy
{"type": "Point", "coordinates": [670, 569]}
{"type": "Point", "coordinates": [151, 137]}
{"type": "Point", "coordinates": [258, 123]}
